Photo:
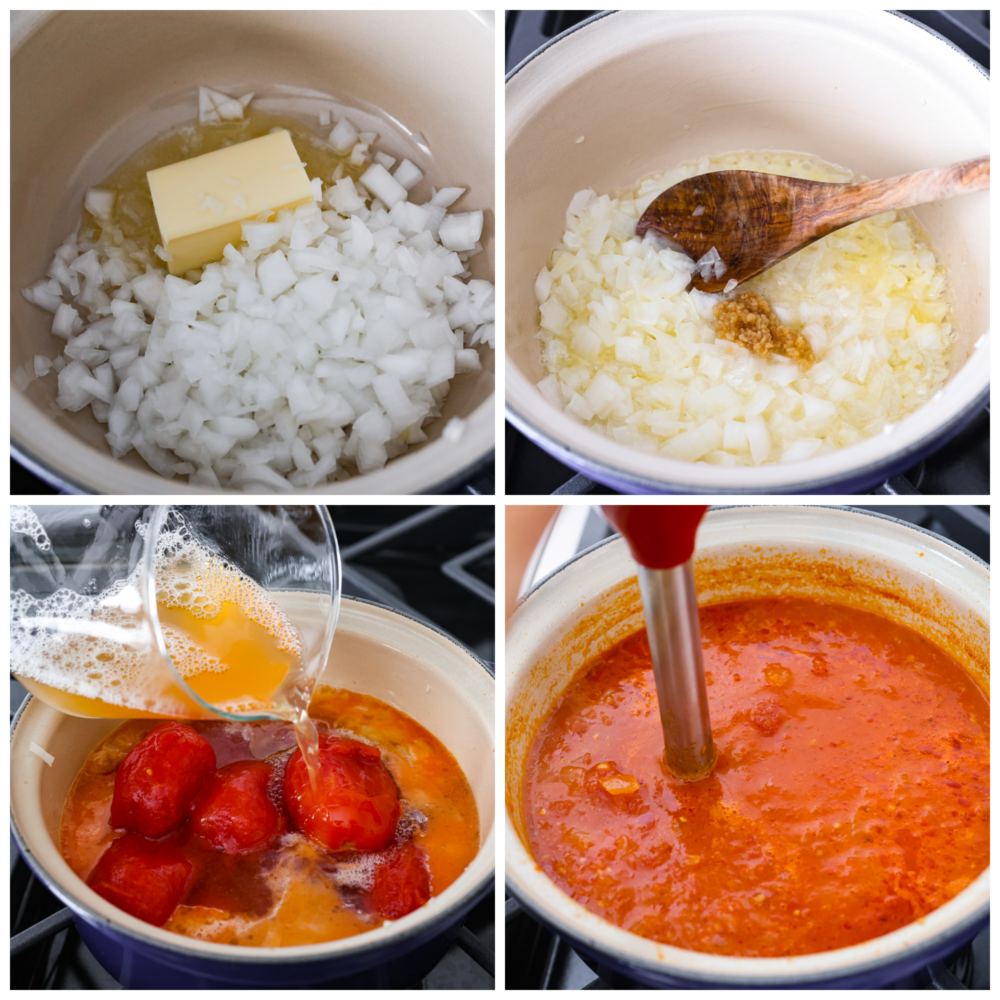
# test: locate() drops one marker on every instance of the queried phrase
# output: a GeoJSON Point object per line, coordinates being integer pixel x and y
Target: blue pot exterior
{"type": "Point", "coordinates": [863, 480]}
{"type": "Point", "coordinates": [621, 974]}
{"type": "Point", "coordinates": [143, 965]}
{"type": "Point", "coordinates": [138, 963]}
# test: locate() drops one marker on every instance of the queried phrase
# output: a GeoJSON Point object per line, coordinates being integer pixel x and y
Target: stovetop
{"type": "Point", "coordinates": [539, 959]}
{"type": "Point", "coordinates": [960, 467]}
{"type": "Point", "coordinates": [433, 563]}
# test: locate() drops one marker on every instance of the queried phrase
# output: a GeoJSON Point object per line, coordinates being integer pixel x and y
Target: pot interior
{"type": "Point", "coordinates": [76, 114]}
{"type": "Point", "coordinates": [649, 90]}
{"type": "Point", "coordinates": [375, 652]}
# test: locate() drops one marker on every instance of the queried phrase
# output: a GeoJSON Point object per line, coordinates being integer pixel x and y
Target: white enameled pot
{"type": "Point", "coordinates": [871, 90]}
{"type": "Point", "coordinates": [426, 674]}
{"type": "Point", "coordinates": [845, 555]}
{"type": "Point", "coordinates": [83, 84]}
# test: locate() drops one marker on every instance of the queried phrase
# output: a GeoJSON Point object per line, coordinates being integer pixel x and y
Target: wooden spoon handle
{"type": "Point", "coordinates": [907, 190]}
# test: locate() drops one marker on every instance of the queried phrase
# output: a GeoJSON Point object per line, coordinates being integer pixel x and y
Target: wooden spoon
{"type": "Point", "coordinates": [755, 220]}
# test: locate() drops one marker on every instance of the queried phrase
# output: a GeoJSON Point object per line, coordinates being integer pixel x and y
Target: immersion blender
{"type": "Point", "coordinates": [661, 538]}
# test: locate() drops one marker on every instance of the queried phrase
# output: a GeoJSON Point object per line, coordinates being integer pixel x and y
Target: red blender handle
{"type": "Point", "coordinates": [660, 536]}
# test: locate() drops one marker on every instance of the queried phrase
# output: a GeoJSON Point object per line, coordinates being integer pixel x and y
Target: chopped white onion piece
{"type": "Point", "coordinates": [577, 204]}
{"type": "Point", "coordinates": [447, 197]}
{"type": "Point", "coordinates": [343, 137]}
{"type": "Point", "coordinates": [383, 185]}
{"type": "Point", "coordinates": [758, 438]}
{"type": "Point", "coordinates": [543, 285]}
{"type": "Point", "coordinates": [408, 174]}
{"type": "Point", "coordinates": [39, 752]}
{"type": "Point", "coordinates": [462, 231]}
{"type": "Point", "coordinates": [275, 275]}
{"type": "Point", "coordinates": [215, 107]}
{"type": "Point", "coordinates": [100, 203]}
{"type": "Point", "coordinates": [66, 321]}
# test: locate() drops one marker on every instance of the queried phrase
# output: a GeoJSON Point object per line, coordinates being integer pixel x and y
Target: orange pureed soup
{"type": "Point", "coordinates": [292, 891]}
{"type": "Point", "coordinates": [850, 796]}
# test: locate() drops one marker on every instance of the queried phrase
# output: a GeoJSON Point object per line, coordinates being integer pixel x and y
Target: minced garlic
{"type": "Point", "coordinates": [748, 321]}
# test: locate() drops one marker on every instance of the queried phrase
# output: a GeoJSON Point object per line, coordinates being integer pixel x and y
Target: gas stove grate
{"type": "Point", "coordinates": [471, 569]}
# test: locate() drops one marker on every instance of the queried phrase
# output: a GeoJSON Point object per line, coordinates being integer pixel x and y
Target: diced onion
{"type": "Point", "coordinates": [318, 347]}
{"type": "Point", "coordinates": [408, 174]}
{"type": "Point", "coordinates": [383, 185]}
{"type": "Point", "coordinates": [99, 203]}
{"type": "Point", "coordinates": [40, 752]}
{"type": "Point", "coordinates": [343, 137]}
{"type": "Point", "coordinates": [462, 231]}
{"type": "Point", "coordinates": [628, 350]}
{"type": "Point", "coordinates": [215, 107]}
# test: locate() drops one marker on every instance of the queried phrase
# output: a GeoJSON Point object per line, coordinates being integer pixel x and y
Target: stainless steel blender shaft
{"type": "Point", "coordinates": [671, 609]}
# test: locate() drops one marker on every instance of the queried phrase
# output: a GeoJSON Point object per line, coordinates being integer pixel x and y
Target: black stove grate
{"type": "Point", "coordinates": [412, 559]}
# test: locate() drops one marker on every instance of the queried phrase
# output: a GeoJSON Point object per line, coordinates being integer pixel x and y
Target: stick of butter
{"type": "Point", "coordinates": [201, 202]}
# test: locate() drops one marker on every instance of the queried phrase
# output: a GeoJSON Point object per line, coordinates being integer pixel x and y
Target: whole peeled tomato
{"type": "Point", "coordinates": [355, 807]}
{"type": "Point", "coordinates": [233, 810]}
{"type": "Point", "coordinates": [158, 779]}
{"type": "Point", "coordinates": [143, 877]}
{"type": "Point", "coordinates": [403, 883]}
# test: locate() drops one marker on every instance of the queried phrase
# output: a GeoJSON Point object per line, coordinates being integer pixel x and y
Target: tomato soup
{"type": "Point", "coordinates": [290, 889]}
{"type": "Point", "coordinates": [850, 796]}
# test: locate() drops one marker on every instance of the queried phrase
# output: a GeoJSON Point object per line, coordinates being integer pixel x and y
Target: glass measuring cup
{"type": "Point", "coordinates": [173, 611]}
